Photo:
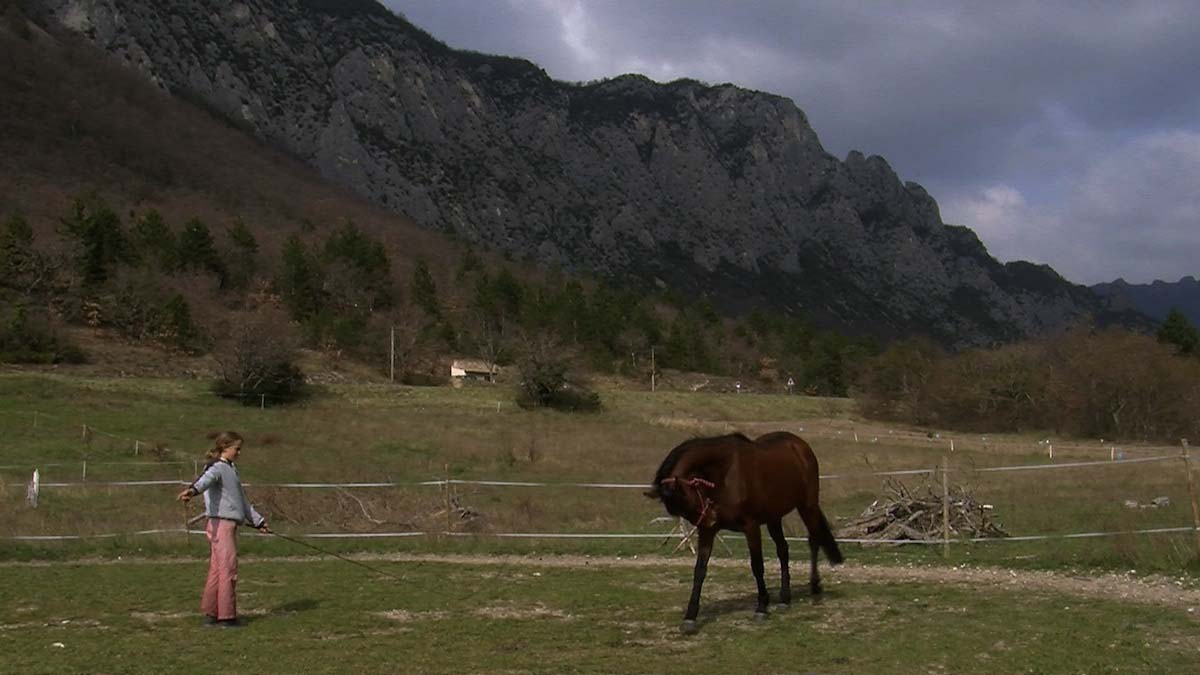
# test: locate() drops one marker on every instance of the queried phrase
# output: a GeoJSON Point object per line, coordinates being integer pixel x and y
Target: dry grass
{"type": "Point", "coordinates": [374, 432]}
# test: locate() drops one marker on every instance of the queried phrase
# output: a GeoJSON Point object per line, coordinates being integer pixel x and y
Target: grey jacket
{"type": "Point", "coordinates": [224, 496]}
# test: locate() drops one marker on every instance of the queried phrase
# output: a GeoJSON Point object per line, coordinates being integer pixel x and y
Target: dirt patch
{"type": "Point", "coordinates": [159, 617]}
{"type": "Point", "coordinates": [855, 614]}
{"type": "Point", "coordinates": [538, 611]}
{"type": "Point", "coordinates": [1151, 590]}
{"type": "Point", "coordinates": [405, 616]}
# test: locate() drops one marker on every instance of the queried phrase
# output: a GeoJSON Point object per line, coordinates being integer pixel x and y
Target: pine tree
{"type": "Point", "coordinates": [367, 261]}
{"type": "Point", "coordinates": [424, 290]}
{"type": "Point", "coordinates": [243, 259]}
{"type": "Point", "coordinates": [1177, 330]}
{"type": "Point", "coordinates": [16, 248]}
{"type": "Point", "coordinates": [470, 263]}
{"type": "Point", "coordinates": [100, 239]}
{"type": "Point", "coordinates": [155, 242]}
{"type": "Point", "coordinates": [197, 251]}
{"type": "Point", "coordinates": [300, 280]}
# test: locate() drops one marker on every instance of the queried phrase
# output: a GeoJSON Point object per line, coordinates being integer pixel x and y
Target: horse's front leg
{"type": "Point", "coordinates": [703, 551]}
{"type": "Point", "coordinates": [781, 548]}
{"type": "Point", "coordinates": [754, 543]}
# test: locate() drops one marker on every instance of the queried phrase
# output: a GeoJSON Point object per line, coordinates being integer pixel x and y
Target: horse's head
{"type": "Point", "coordinates": [689, 497]}
{"type": "Point", "coordinates": [682, 483]}
{"type": "Point", "coordinates": [667, 491]}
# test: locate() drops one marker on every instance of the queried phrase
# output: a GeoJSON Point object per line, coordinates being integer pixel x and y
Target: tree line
{"type": "Point", "coordinates": [1110, 383]}
{"type": "Point", "coordinates": [201, 288]}
{"type": "Point", "coordinates": [338, 287]}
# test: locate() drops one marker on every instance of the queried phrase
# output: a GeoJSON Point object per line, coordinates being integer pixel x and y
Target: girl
{"type": "Point", "coordinates": [226, 506]}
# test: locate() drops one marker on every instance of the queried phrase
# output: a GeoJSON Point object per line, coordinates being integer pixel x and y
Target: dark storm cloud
{"type": "Point", "coordinates": [1022, 119]}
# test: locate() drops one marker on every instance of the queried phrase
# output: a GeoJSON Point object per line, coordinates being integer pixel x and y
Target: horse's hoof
{"type": "Point", "coordinates": [760, 616]}
{"type": "Point", "coordinates": [689, 627]}
{"type": "Point", "coordinates": [818, 599]}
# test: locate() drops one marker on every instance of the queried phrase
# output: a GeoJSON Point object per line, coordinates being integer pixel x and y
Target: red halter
{"type": "Point", "coordinates": [696, 482]}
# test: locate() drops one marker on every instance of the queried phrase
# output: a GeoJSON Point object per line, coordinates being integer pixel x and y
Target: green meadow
{"type": "Point", "coordinates": [318, 617]}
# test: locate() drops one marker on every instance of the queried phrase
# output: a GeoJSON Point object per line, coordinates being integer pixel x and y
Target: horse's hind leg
{"type": "Point", "coordinates": [703, 551]}
{"type": "Point", "coordinates": [781, 548]}
{"type": "Point", "coordinates": [754, 543]}
{"type": "Point", "coordinates": [812, 522]}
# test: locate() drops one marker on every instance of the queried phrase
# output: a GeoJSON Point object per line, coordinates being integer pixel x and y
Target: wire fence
{"type": "Point", "coordinates": [87, 431]}
{"type": "Point", "coordinates": [442, 482]}
{"type": "Point", "coordinates": [600, 535]}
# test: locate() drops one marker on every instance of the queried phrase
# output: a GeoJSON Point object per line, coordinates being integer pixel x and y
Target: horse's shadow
{"type": "Point", "coordinates": [743, 605]}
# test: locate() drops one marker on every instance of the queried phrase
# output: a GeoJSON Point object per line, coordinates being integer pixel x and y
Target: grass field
{"type": "Point", "coordinates": [322, 615]}
{"type": "Point", "coordinates": [381, 433]}
{"type": "Point", "coordinates": [328, 617]}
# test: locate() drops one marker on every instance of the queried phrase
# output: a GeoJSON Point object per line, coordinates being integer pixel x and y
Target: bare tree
{"type": "Point", "coordinates": [406, 335]}
{"type": "Point", "coordinates": [257, 363]}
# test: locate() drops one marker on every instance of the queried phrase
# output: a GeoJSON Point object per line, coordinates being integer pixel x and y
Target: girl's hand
{"type": "Point", "coordinates": [185, 495]}
{"type": "Point", "coordinates": [264, 529]}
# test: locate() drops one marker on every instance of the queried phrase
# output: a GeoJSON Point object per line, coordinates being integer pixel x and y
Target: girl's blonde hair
{"type": "Point", "coordinates": [221, 441]}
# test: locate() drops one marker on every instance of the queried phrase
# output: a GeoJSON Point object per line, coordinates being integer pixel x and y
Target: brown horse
{"type": "Point", "coordinates": [734, 483]}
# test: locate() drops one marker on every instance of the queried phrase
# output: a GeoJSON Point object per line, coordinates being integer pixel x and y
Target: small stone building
{"type": "Point", "coordinates": [471, 369]}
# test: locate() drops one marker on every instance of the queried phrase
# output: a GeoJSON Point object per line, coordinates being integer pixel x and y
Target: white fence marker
{"type": "Point", "coordinates": [32, 490]}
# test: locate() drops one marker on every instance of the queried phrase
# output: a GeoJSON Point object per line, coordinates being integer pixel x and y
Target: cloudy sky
{"type": "Point", "coordinates": [1066, 133]}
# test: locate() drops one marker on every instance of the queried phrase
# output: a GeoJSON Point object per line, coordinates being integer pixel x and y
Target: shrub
{"type": "Point", "coordinates": [258, 365]}
{"type": "Point", "coordinates": [29, 338]}
{"type": "Point", "coordinates": [546, 383]}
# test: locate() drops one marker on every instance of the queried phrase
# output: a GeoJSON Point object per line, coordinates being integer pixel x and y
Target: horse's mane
{"type": "Point", "coordinates": [673, 457]}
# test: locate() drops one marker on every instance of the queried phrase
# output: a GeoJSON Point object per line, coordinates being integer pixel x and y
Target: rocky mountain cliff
{"type": "Point", "coordinates": [710, 190]}
{"type": "Point", "coordinates": [1155, 299]}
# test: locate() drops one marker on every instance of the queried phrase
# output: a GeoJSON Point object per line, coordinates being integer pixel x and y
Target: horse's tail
{"type": "Point", "coordinates": [824, 538]}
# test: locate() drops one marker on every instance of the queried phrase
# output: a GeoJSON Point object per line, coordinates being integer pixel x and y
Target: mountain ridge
{"type": "Point", "coordinates": [710, 190]}
{"type": "Point", "coordinates": [1157, 298]}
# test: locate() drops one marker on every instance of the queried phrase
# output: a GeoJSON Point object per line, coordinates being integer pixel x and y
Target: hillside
{"type": "Point", "coordinates": [73, 121]}
{"type": "Point", "coordinates": [77, 129]}
{"type": "Point", "coordinates": [709, 191]}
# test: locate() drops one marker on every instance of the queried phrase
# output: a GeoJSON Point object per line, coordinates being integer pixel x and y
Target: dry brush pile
{"type": "Point", "coordinates": [905, 515]}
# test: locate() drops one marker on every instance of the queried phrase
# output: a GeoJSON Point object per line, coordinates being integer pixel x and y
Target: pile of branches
{"type": "Point", "coordinates": [901, 514]}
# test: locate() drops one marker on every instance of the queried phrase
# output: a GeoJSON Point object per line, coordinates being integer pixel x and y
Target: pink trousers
{"type": "Point", "coordinates": [219, 599]}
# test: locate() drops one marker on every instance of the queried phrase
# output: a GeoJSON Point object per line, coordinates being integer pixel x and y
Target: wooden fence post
{"type": "Point", "coordinates": [1187, 465]}
{"type": "Point", "coordinates": [945, 508]}
{"type": "Point", "coordinates": [448, 522]}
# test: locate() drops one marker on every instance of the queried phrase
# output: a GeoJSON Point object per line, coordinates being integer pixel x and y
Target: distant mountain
{"type": "Point", "coordinates": [712, 191]}
{"type": "Point", "coordinates": [1155, 299]}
